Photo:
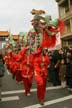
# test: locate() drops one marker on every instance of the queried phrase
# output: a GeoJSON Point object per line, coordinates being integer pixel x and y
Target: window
{"type": "Point", "coordinates": [70, 42]}
{"type": "Point", "coordinates": [66, 4]}
{"type": "Point", "coordinates": [67, 26]}
{"type": "Point", "coordinates": [71, 5]}
{"type": "Point", "coordinates": [64, 8]}
{"type": "Point", "coordinates": [2, 38]}
{"type": "Point", "coordinates": [62, 11]}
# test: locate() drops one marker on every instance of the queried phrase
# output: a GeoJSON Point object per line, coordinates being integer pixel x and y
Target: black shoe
{"type": "Point", "coordinates": [0, 99]}
{"type": "Point", "coordinates": [13, 77]}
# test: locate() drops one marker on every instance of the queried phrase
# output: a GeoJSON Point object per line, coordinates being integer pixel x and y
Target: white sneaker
{"type": "Point", "coordinates": [28, 94]}
{"type": "Point", "coordinates": [71, 89]}
{"type": "Point", "coordinates": [68, 88]}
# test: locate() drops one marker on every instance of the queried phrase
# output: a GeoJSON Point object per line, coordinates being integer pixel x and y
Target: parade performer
{"type": "Point", "coordinates": [23, 69]}
{"type": "Point", "coordinates": [46, 30]}
{"type": "Point", "coordinates": [9, 60]}
{"type": "Point", "coordinates": [15, 64]}
{"type": "Point", "coordinates": [41, 62]}
{"type": "Point", "coordinates": [13, 61]}
{"type": "Point", "coordinates": [27, 70]}
{"type": "Point", "coordinates": [16, 71]}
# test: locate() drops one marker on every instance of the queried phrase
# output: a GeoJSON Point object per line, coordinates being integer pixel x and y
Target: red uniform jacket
{"type": "Point", "coordinates": [40, 64]}
{"type": "Point", "coordinates": [27, 66]}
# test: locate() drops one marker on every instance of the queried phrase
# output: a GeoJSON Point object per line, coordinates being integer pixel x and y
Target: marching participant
{"type": "Point", "coordinates": [41, 62]}
{"type": "Point", "coordinates": [16, 65]}
{"type": "Point", "coordinates": [27, 70]}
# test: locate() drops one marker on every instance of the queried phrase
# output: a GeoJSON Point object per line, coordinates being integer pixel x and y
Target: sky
{"type": "Point", "coordinates": [15, 15]}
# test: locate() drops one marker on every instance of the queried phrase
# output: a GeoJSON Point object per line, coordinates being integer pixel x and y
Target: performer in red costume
{"type": "Point", "coordinates": [21, 67]}
{"type": "Point", "coordinates": [41, 62]}
{"type": "Point", "coordinates": [17, 64]}
{"type": "Point", "coordinates": [9, 60]}
{"type": "Point", "coordinates": [46, 31]}
{"type": "Point", "coordinates": [13, 64]}
{"type": "Point", "coordinates": [27, 70]}
{"type": "Point", "coordinates": [16, 71]}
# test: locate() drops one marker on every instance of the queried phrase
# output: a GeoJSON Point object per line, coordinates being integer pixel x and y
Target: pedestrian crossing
{"type": "Point", "coordinates": [10, 98]}
{"type": "Point", "coordinates": [16, 97]}
{"type": "Point", "coordinates": [14, 92]}
{"type": "Point", "coordinates": [32, 90]}
{"type": "Point", "coordinates": [51, 102]}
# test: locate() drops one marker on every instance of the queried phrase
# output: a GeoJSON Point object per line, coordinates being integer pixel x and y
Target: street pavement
{"type": "Point", "coordinates": [13, 95]}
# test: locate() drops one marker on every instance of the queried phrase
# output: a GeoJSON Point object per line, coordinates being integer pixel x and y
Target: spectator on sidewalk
{"type": "Point", "coordinates": [2, 70]}
{"type": "Point", "coordinates": [56, 62]}
{"type": "Point", "coordinates": [69, 71]}
{"type": "Point", "coordinates": [62, 73]}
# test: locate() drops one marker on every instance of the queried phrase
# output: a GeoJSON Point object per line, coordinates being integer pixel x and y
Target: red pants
{"type": "Point", "coordinates": [41, 87]}
{"type": "Point", "coordinates": [27, 82]}
{"type": "Point", "coordinates": [18, 76]}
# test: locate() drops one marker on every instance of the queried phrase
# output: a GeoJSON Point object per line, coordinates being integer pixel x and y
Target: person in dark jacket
{"type": "Point", "coordinates": [2, 70]}
{"type": "Point", "coordinates": [56, 62]}
{"type": "Point", "coordinates": [69, 72]}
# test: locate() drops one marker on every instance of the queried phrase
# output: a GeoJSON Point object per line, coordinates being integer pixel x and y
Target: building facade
{"type": "Point", "coordinates": [3, 36]}
{"type": "Point", "coordinates": [65, 13]}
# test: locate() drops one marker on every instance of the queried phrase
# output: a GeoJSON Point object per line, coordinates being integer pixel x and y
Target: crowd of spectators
{"type": "Point", "coordinates": [60, 68]}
